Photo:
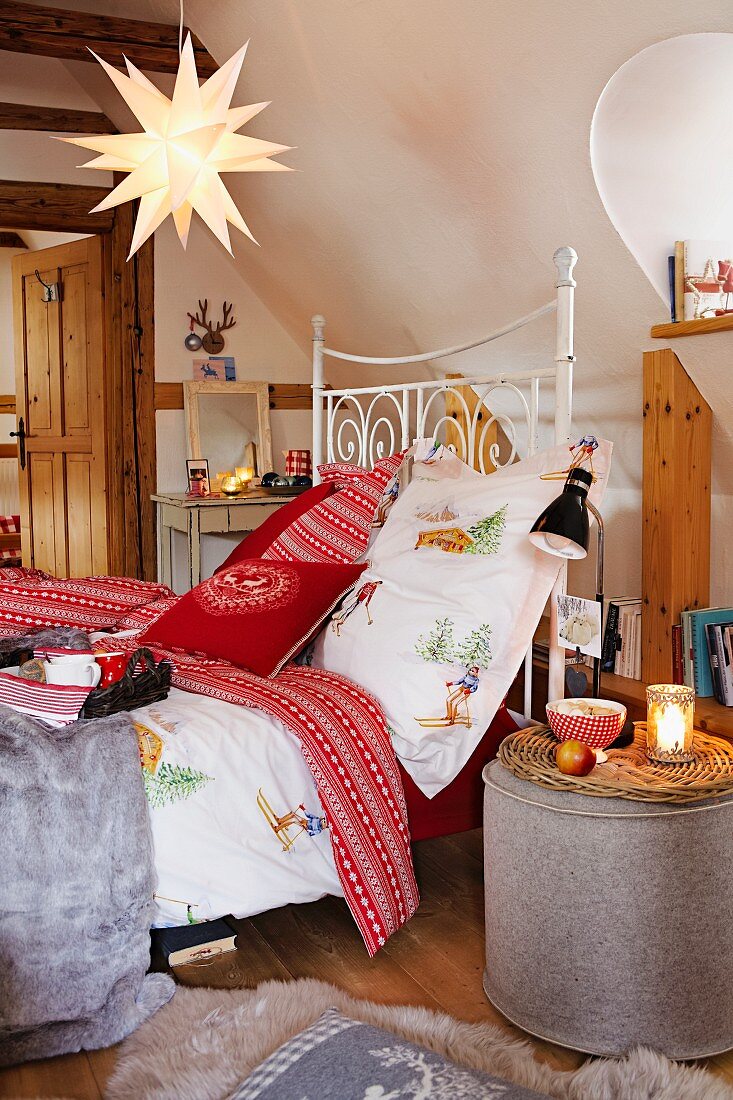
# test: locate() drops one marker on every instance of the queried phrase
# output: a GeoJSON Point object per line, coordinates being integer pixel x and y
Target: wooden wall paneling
{"type": "Point", "coordinates": [11, 240]}
{"type": "Point", "coordinates": [676, 506]}
{"type": "Point", "coordinates": [131, 400]}
{"type": "Point", "coordinates": [62, 207]}
{"type": "Point", "coordinates": [57, 32]}
{"type": "Point", "coordinates": [281, 395]}
{"type": "Point", "coordinates": [7, 403]}
{"type": "Point", "coordinates": [168, 396]}
{"type": "Point", "coordinates": [55, 120]}
{"type": "Point", "coordinates": [457, 431]}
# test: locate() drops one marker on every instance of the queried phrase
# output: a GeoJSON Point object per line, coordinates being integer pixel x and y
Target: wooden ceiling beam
{"type": "Point", "coordinates": [58, 120]}
{"type": "Point", "coordinates": [57, 207]}
{"type": "Point", "coordinates": [58, 32]}
{"type": "Point", "coordinates": [10, 240]}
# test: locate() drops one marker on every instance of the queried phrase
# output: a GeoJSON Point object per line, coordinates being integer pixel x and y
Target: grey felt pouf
{"type": "Point", "coordinates": [609, 923]}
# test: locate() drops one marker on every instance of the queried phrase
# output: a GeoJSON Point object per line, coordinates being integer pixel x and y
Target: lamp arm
{"type": "Point", "coordinates": [599, 586]}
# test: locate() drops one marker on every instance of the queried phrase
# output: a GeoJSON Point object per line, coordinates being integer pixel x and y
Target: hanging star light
{"type": "Point", "coordinates": [188, 140]}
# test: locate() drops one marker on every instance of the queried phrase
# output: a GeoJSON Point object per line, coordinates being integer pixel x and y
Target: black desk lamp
{"type": "Point", "coordinates": [563, 529]}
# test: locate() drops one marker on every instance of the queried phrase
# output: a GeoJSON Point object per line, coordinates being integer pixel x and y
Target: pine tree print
{"type": "Point", "coordinates": [475, 648]}
{"type": "Point", "coordinates": [441, 647]}
{"type": "Point", "coordinates": [439, 644]}
{"type": "Point", "coordinates": [487, 533]}
{"type": "Point", "coordinates": [171, 783]}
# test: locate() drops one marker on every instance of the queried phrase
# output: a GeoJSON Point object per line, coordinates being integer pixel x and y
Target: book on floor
{"type": "Point", "coordinates": [188, 943]}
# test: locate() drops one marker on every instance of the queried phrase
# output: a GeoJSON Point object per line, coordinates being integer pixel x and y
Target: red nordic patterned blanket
{"type": "Point", "coordinates": [343, 734]}
{"type": "Point", "coordinates": [346, 744]}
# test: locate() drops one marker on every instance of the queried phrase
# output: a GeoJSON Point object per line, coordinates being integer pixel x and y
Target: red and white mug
{"type": "Point", "coordinates": [113, 666]}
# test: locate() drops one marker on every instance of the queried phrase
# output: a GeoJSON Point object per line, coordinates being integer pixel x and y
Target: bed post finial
{"type": "Point", "coordinates": [565, 259]}
{"type": "Point", "coordinates": [319, 325]}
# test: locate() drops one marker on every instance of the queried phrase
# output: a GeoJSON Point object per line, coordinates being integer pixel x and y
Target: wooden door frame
{"type": "Point", "coordinates": [130, 384]}
{"type": "Point", "coordinates": [130, 320]}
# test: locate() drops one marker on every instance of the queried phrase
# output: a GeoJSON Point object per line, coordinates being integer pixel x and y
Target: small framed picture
{"type": "Point", "coordinates": [579, 624]}
{"type": "Point", "coordinates": [197, 472]}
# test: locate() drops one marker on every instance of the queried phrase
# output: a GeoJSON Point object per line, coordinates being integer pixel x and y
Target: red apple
{"type": "Point", "coordinates": [575, 758]}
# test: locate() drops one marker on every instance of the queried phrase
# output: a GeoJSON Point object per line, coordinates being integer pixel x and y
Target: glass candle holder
{"type": "Point", "coordinates": [670, 713]}
{"type": "Point", "coordinates": [231, 486]}
{"type": "Point", "coordinates": [245, 475]}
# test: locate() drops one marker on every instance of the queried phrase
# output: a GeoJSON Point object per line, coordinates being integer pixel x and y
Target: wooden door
{"type": "Point", "coordinates": [60, 376]}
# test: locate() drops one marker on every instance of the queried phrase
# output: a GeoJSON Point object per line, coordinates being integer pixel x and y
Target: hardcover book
{"type": "Point", "coordinates": [702, 670]}
{"type": "Point", "coordinates": [194, 942]}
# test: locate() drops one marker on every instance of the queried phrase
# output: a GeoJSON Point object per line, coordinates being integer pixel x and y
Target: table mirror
{"type": "Point", "coordinates": [229, 424]}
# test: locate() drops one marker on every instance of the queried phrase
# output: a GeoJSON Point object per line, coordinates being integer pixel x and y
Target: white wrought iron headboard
{"type": "Point", "coordinates": [364, 423]}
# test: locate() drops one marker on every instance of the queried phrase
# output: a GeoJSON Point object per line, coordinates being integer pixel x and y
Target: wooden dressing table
{"type": "Point", "coordinates": [206, 516]}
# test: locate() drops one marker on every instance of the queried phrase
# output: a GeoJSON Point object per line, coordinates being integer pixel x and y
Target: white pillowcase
{"type": "Point", "coordinates": [455, 591]}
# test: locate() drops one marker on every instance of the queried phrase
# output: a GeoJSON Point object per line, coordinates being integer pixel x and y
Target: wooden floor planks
{"type": "Point", "coordinates": [436, 961]}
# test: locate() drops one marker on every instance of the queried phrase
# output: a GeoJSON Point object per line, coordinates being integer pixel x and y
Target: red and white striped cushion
{"type": "Point", "coordinates": [337, 529]}
{"type": "Point", "coordinates": [10, 525]}
{"type": "Point", "coordinates": [31, 598]}
{"type": "Point", "coordinates": [55, 704]}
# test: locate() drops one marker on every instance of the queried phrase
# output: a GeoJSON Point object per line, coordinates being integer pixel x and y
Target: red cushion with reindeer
{"type": "Point", "coordinates": [258, 614]}
{"type": "Point", "coordinates": [337, 529]}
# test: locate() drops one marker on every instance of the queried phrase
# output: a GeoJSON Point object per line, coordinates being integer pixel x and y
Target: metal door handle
{"type": "Point", "coordinates": [20, 436]}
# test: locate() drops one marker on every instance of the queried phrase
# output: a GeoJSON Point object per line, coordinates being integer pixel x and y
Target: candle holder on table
{"type": "Point", "coordinates": [670, 714]}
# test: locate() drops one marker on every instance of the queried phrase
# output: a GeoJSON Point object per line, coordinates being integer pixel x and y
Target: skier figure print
{"type": "Point", "coordinates": [363, 595]}
{"type": "Point", "coordinates": [463, 689]}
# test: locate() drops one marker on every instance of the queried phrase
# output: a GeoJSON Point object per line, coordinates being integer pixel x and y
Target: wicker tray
{"type": "Point", "coordinates": [530, 754]}
{"type": "Point", "coordinates": [150, 685]}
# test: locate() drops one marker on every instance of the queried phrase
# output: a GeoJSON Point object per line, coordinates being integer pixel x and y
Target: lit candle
{"type": "Point", "coordinates": [244, 473]}
{"type": "Point", "coordinates": [670, 712]}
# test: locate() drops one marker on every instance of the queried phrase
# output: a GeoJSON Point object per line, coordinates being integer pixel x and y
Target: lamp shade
{"type": "Point", "coordinates": [563, 528]}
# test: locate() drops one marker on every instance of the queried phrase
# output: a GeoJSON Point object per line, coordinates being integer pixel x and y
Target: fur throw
{"type": "Point", "coordinates": [207, 1041]}
{"type": "Point", "coordinates": [76, 888]}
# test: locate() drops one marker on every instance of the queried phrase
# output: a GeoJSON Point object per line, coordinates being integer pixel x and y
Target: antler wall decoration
{"type": "Point", "coordinates": [213, 341]}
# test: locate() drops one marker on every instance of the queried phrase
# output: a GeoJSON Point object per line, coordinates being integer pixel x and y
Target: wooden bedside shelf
{"type": "Point", "coordinates": [672, 329]}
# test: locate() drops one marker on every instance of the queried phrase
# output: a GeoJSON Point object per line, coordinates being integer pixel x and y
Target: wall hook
{"type": "Point", "coordinates": [51, 291]}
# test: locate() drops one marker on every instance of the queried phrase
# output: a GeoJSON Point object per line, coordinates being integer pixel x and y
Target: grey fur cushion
{"type": "Point", "coordinates": [76, 888]}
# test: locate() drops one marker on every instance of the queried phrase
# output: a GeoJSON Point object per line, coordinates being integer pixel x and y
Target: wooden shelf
{"type": "Point", "coordinates": [672, 329]}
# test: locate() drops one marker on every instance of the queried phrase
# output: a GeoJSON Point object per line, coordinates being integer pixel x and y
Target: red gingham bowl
{"type": "Point", "coordinates": [595, 730]}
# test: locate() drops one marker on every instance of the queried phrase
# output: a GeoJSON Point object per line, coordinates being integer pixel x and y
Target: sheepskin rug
{"type": "Point", "coordinates": [203, 1043]}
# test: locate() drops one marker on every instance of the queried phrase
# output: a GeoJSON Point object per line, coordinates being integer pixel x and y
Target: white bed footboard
{"type": "Point", "coordinates": [362, 424]}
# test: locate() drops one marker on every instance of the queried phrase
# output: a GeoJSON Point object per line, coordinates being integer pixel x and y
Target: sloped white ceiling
{"type": "Point", "coordinates": [443, 155]}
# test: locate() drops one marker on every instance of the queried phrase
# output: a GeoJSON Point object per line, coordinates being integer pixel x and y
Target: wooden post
{"type": "Point", "coordinates": [676, 507]}
{"type": "Point", "coordinates": [131, 401]}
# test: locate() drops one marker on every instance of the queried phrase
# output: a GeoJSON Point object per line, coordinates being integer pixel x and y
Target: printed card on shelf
{"type": "Point", "coordinates": [579, 624]}
{"type": "Point", "coordinates": [209, 370]}
{"type": "Point", "coordinates": [227, 363]}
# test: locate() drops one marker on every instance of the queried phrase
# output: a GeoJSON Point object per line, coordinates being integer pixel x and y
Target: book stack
{"type": "Point", "coordinates": [700, 280]}
{"type": "Point", "coordinates": [703, 657]}
{"type": "Point", "coordinates": [621, 649]}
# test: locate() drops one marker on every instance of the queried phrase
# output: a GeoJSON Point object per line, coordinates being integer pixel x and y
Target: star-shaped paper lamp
{"type": "Point", "coordinates": [174, 164]}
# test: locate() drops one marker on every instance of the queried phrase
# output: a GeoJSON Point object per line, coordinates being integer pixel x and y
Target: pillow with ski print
{"type": "Point", "coordinates": [439, 624]}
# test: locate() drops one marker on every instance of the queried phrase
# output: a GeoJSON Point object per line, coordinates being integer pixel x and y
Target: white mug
{"type": "Point", "coordinates": [79, 669]}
